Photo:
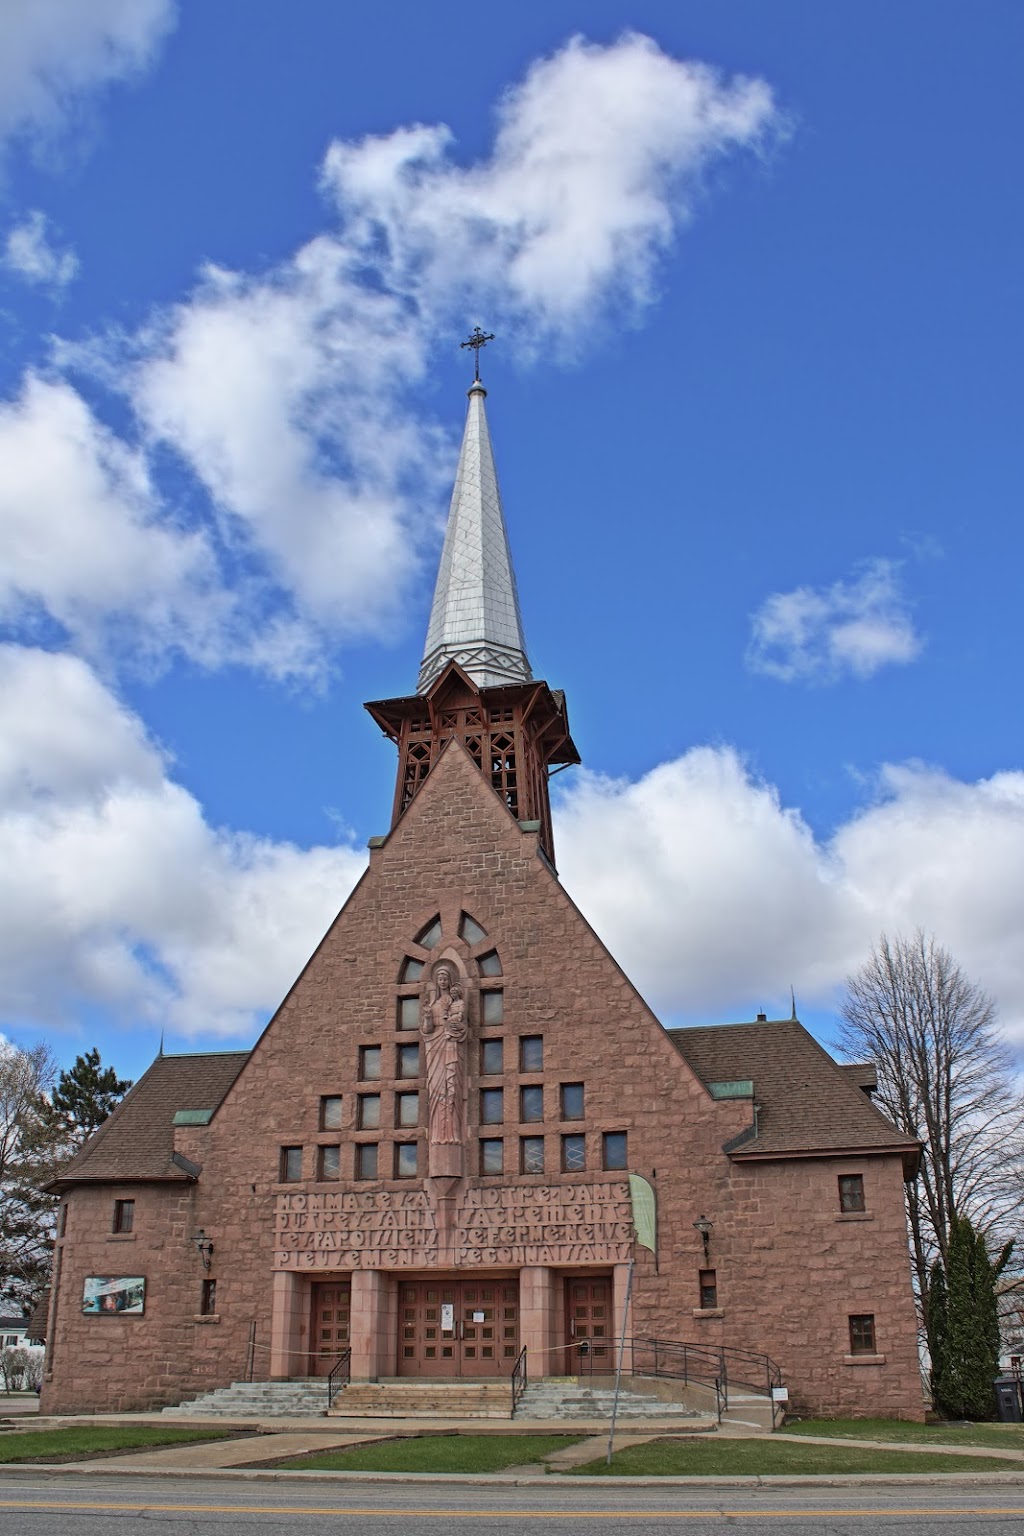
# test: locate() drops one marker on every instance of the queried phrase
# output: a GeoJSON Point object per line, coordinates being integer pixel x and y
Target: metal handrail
{"type": "Point", "coordinates": [340, 1375]}
{"type": "Point", "coordinates": [720, 1366]}
{"type": "Point", "coordinates": [518, 1379]}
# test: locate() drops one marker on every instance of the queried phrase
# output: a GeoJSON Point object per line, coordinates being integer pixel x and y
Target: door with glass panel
{"type": "Point", "coordinates": [588, 1326]}
{"type": "Point", "coordinates": [330, 1334]}
{"type": "Point", "coordinates": [462, 1328]}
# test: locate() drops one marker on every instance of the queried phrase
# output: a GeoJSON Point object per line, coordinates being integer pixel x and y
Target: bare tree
{"type": "Point", "coordinates": [946, 1077]}
{"type": "Point", "coordinates": [31, 1150]}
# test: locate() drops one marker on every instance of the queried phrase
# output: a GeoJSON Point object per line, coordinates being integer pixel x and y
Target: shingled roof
{"type": "Point", "coordinates": [137, 1141]}
{"type": "Point", "coordinates": [806, 1102]}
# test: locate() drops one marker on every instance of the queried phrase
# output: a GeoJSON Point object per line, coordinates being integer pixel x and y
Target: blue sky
{"type": "Point", "coordinates": [756, 277]}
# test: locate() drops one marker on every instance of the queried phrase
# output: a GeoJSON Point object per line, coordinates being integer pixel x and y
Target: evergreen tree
{"type": "Point", "coordinates": [968, 1343]}
{"type": "Point", "coordinates": [85, 1096]}
{"type": "Point", "coordinates": [937, 1326]}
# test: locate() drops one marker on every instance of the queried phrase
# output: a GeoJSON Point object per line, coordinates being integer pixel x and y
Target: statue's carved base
{"type": "Point", "coordinates": [444, 1195]}
{"type": "Point", "coordinates": [446, 1162]}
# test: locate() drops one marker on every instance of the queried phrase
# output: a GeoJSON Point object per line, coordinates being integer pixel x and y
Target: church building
{"type": "Point", "coordinates": [445, 1144]}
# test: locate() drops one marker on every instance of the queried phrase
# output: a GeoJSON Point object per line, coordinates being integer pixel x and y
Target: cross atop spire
{"type": "Point", "coordinates": [475, 617]}
{"type": "Point", "coordinates": [476, 341]}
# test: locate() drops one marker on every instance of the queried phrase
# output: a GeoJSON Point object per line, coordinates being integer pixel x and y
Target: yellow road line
{"type": "Point", "coordinates": [497, 1514]}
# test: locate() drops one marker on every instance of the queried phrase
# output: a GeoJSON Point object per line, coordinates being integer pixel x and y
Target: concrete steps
{"type": "Point", "coordinates": [424, 1400]}
{"type": "Point", "coordinates": [257, 1400]}
{"type": "Point", "coordinates": [566, 1397]}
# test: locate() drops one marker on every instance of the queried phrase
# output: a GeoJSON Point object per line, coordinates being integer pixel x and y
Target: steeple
{"type": "Point", "coordinates": [475, 618]}
{"type": "Point", "coordinates": [475, 684]}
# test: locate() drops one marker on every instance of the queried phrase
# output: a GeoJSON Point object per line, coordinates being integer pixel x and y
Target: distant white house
{"type": "Point", "coordinates": [13, 1334]}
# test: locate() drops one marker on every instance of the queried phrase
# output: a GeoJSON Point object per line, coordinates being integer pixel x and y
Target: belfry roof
{"type": "Point", "coordinates": [475, 617]}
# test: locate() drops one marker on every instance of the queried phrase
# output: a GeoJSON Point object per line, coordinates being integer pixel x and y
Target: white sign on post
{"type": "Point", "coordinates": [447, 1317]}
{"type": "Point", "coordinates": [780, 1394]}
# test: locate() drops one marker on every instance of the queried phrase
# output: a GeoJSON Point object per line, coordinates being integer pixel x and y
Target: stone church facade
{"type": "Point", "coordinates": [425, 1158]}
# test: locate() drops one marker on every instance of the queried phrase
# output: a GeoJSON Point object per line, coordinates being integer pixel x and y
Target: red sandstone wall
{"type": "Point", "coordinates": [788, 1271]}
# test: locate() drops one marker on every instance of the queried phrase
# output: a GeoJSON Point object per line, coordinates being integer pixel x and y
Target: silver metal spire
{"type": "Point", "coordinates": [475, 615]}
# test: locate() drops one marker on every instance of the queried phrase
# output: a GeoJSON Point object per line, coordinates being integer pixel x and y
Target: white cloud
{"type": "Point", "coordinates": [707, 889]}
{"type": "Point", "coordinates": [84, 537]}
{"type": "Point", "coordinates": [116, 892]}
{"type": "Point", "coordinates": [30, 254]}
{"type": "Point", "coordinates": [288, 394]}
{"type": "Point", "coordinates": [54, 52]}
{"type": "Point", "coordinates": [822, 634]}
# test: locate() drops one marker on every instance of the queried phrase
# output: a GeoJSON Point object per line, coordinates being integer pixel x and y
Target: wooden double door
{"type": "Point", "coordinates": [458, 1327]}
{"type": "Point", "coordinates": [589, 1329]}
{"type": "Point", "coordinates": [330, 1333]}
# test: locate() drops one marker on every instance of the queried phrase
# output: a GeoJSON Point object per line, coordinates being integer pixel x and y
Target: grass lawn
{"type": "Point", "coordinates": [437, 1453]}
{"type": "Point", "coordinates": [96, 1440]}
{"type": "Point", "coordinates": [1008, 1437]}
{"type": "Point", "coordinates": [751, 1458]}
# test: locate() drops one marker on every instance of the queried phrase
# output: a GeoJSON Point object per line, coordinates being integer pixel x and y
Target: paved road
{"type": "Point", "coordinates": [34, 1505]}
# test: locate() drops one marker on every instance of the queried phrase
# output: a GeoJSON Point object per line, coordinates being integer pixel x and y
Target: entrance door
{"type": "Point", "coordinates": [329, 1335]}
{"type": "Point", "coordinates": [588, 1326]}
{"type": "Point", "coordinates": [458, 1327]}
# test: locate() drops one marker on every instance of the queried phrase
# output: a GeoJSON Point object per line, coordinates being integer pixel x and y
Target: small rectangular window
{"type": "Point", "coordinates": [329, 1163]}
{"type": "Point", "coordinates": [851, 1192]}
{"type": "Point", "coordinates": [708, 1288]}
{"type": "Point", "coordinates": [531, 1103]}
{"type": "Point", "coordinates": [366, 1160]}
{"type": "Point", "coordinates": [291, 1165]}
{"type": "Point", "coordinates": [862, 1334]}
{"type": "Point", "coordinates": [208, 1298]}
{"type": "Point", "coordinates": [330, 1112]}
{"type": "Point", "coordinates": [408, 1061]}
{"type": "Point", "coordinates": [531, 1053]}
{"type": "Point", "coordinates": [406, 1161]}
{"type": "Point", "coordinates": [493, 1005]}
{"type": "Point", "coordinates": [492, 1056]}
{"type": "Point", "coordinates": [408, 1013]}
{"type": "Point", "coordinates": [531, 1154]}
{"type": "Point", "coordinates": [124, 1215]}
{"type": "Point", "coordinates": [489, 964]}
{"type": "Point", "coordinates": [492, 1106]}
{"type": "Point", "coordinates": [407, 1109]}
{"type": "Point", "coordinates": [574, 1154]}
{"type": "Point", "coordinates": [572, 1101]}
{"type": "Point", "coordinates": [368, 1112]}
{"type": "Point", "coordinates": [63, 1220]}
{"type": "Point", "coordinates": [492, 1155]}
{"type": "Point", "coordinates": [369, 1063]}
{"type": "Point", "coordinates": [613, 1150]}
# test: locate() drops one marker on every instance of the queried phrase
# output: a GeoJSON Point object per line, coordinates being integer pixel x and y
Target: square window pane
{"type": "Point", "coordinates": [330, 1113]}
{"type": "Point", "coordinates": [614, 1149]}
{"type": "Point", "coordinates": [408, 1013]}
{"type": "Point", "coordinates": [489, 964]}
{"type": "Point", "coordinates": [330, 1162]}
{"type": "Point", "coordinates": [492, 1056]}
{"type": "Point", "coordinates": [366, 1160]}
{"type": "Point", "coordinates": [531, 1154]}
{"type": "Point", "coordinates": [407, 1109]}
{"type": "Point", "coordinates": [572, 1101]}
{"type": "Point", "coordinates": [531, 1053]}
{"type": "Point", "coordinates": [574, 1154]}
{"type": "Point", "coordinates": [406, 1160]}
{"type": "Point", "coordinates": [492, 1156]}
{"type": "Point", "coordinates": [531, 1103]}
{"type": "Point", "coordinates": [368, 1116]}
{"type": "Point", "coordinates": [369, 1062]}
{"type": "Point", "coordinates": [408, 1061]}
{"type": "Point", "coordinates": [493, 1007]}
{"type": "Point", "coordinates": [291, 1164]}
{"type": "Point", "coordinates": [492, 1106]}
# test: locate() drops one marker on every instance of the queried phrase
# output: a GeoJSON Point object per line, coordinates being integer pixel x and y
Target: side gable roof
{"type": "Point", "coordinates": [137, 1141]}
{"type": "Point", "coordinates": [806, 1102]}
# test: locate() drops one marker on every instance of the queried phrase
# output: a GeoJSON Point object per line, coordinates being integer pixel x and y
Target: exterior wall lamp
{"type": "Point", "coordinates": [204, 1245]}
{"type": "Point", "coordinates": [705, 1228]}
